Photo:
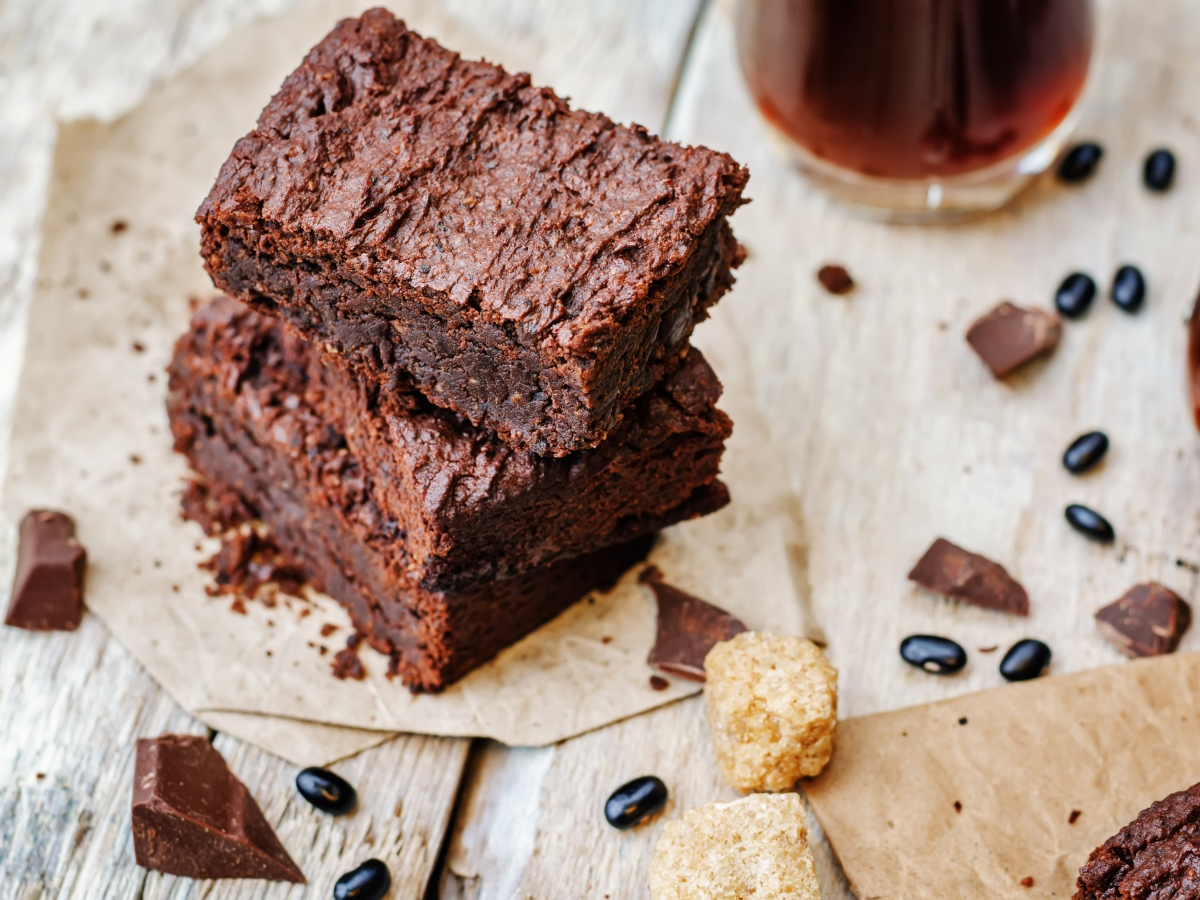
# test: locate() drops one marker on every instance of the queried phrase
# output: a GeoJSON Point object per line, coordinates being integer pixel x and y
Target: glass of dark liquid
{"type": "Point", "coordinates": [918, 110]}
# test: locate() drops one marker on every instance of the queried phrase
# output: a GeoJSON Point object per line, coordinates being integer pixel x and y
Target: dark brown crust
{"type": "Point", "coordinates": [296, 473]}
{"type": "Point", "coordinates": [453, 504]}
{"type": "Point", "coordinates": [541, 265]}
{"type": "Point", "coordinates": [1154, 857]}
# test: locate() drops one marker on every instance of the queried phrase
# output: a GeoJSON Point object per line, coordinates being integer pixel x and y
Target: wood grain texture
{"type": "Point", "coordinates": [74, 704]}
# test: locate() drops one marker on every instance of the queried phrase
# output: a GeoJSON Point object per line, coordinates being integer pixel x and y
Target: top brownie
{"type": "Point", "coordinates": [532, 267]}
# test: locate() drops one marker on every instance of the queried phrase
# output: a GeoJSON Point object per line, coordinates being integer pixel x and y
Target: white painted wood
{"type": "Point", "coordinates": [73, 704]}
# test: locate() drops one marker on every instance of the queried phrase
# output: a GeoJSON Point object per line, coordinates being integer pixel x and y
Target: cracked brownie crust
{"type": "Point", "coordinates": [456, 505]}
{"type": "Point", "coordinates": [249, 420]}
{"type": "Point", "coordinates": [1154, 857]}
{"type": "Point", "coordinates": [532, 267]}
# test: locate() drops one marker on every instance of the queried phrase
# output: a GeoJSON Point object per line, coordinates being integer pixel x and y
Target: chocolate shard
{"type": "Point", "coordinates": [688, 628]}
{"type": "Point", "coordinates": [1148, 621]}
{"type": "Point", "coordinates": [192, 817]}
{"type": "Point", "coordinates": [1008, 337]}
{"type": "Point", "coordinates": [951, 571]}
{"type": "Point", "coordinates": [1152, 858]}
{"type": "Point", "coordinates": [47, 593]}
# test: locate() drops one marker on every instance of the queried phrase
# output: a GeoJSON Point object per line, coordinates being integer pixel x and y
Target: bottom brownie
{"type": "Point", "coordinates": [316, 505]}
{"type": "Point", "coordinates": [1154, 857]}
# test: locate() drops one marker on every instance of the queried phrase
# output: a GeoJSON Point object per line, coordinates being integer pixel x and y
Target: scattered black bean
{"type": "Point", "coordinates": [632, 802]}
{"type": "Point", "coordinates": [1129, 288]}
{"type": "Point", "coordinates": [938, 655]}
{"type": "Point", "coordinates": [370, 881]}
{"type": "Point", "coordinates": [326, 791]}
{"type": "Point", "coordinates": [1159, 170]}
{"type": "Point", "coordinates": [1090, 523]}
{"type": "Point", "coordinates": [1025, 660]}
{"type": "Point", "coordinates": [1085, 451]}
{"type": "Point", "coordinates": [1075, 295]}
{"type": "Point", "coordinates": [1079, 163]}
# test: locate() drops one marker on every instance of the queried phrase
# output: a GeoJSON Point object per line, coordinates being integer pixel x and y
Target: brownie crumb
{"type": "Point", "coordinates": [992, 649]}
{"type": "Point", "coordinates": [346, 664]}
{"type": "Point", "coordinates": [835, 279]}
{"type": "Point", "coordinates": [1074, 817]}
{"type": "Point", "coordinates": [138, 347]}
{"type": "Point", "coordinates": [962, 721]}
{"type": "Point", "coordinates": [957, 806]}
{"type": "Point", "coordinates": [238, 606]}
{"type": "Point", "coordinates": [1027, 881]}
{"type": "Point", "coordinates": [327, 629]}
{"type": "Point", "coordinates": [119, 226]}
{"type": "Point", "coordinates": [659, 683]}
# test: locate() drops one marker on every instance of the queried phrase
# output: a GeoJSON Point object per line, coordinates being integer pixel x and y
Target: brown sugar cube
{"type": "Point", "coordinates": [1008, 337]}
{"type": "Point", "coordinates": [772, 709]}
{"type": "Point", "coordinates": [754, 847]}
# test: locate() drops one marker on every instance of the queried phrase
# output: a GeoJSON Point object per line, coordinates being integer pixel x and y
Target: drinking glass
{"type": "Point", "coordinates": [918, 110]}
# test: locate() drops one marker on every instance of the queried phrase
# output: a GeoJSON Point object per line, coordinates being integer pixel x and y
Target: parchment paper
{"type": "Point", "coordinates": [90, 437]}
{"type": "Point", "coordinates": [1107, 742]}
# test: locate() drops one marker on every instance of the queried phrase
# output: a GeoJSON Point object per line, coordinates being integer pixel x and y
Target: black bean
{"type": "Point", "coordinates": [1159, 170]}
{"type": "Point", "coordinates": [1079, 163]}
{"type": "Point", "coordinates": [1025, 660]}
{"type": "Point", "coordinates": [632, 802]}
{"type": "Point", "coordinates": [938, 655]}
{"type": "Point", "coordinates": [1075, 295]}
{"type": "Point", "coordinates": [1090, 523]}
{"type": "Point", "coordinates": [1129, 288]}
{"type": "Point", "coordinates": [326, 791]}
{"type": "Point", "coordinates": [1085, 451]}
{"type": "Point", "coordinates": [370, 881]}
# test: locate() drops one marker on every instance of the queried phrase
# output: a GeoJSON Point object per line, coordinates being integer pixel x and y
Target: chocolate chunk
{"type": "Point", "coordinates": [688, 628]}
{"type": "Point", "coordinates": [47, 593]}
{"type": "Point", "coordinates": [1008, 336]}
{"type": "Point", "coordinates": [951, 571]}
{"type": "Point", "coordinates": [1149, 620]}
{"type": "Point", "coordinates": [192, 817]}
{"type": "Point", "coordinates": [1154, 856]}
{"type": "Point", "coordinates": [835, 279]}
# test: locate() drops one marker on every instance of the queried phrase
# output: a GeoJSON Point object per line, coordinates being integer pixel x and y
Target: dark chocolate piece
{"type": "Point", "coordinates": [1154, 857]}
{"type": "Point", "coordinates": [938, 655]}
{"type": "Point", "coordinates": [688, 628]}
{"type": "Point", "coordinates": [1025, 660]}
{"type": "Point", "coordinates": [532, 267]}
{"type": "Point", "coordinates": [192, 817]}
{"type": "Point", "coordinates": [47, 592]}
{"type": "Point", "coordinates": [1008, 337]}
{"type": "Point", "coordinates": [835, 279]}
{"type": "Point", "coordinates": [250, 421]}
{"type": "Point", "coordinates": [459, 505]}
{"type": "Point", "coordinates": [951, 571]}
{"type": "Point", "coordinates": [1148, 621]}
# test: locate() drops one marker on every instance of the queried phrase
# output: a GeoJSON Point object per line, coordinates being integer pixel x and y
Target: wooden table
{"type": "Point", "coordinates": [476, 820]}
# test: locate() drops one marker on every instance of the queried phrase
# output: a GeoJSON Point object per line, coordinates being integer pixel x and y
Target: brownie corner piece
{"type": "Point", "coordinates": [532, 267]}
{"type": "Point", "coordinates": [1153, 856]}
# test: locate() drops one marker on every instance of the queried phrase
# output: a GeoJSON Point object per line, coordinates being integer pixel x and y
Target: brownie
{"type": "Point", "coordinates": [1157, 855]}
{"type": "Point", "coordinates": [533, 267]}
{"type": "Point", "coordinates": [454, 503]}
{"type": "Point", "coordinates": [245, 412]}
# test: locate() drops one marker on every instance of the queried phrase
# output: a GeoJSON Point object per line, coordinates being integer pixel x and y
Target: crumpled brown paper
{"type": "Point", "coordinates": [90, 437]}
{"type": "Point", "coordinates": [1018, 761]}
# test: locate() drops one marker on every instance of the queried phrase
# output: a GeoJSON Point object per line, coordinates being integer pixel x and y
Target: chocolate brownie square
{"type": "Point", "coordinates": [1156, 856]}
{"type": "Point", "coordinates": [532, 267]}
{"type": "Point", "coordinates": [453, 503]}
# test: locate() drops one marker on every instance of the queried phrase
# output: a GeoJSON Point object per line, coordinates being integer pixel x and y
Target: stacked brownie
{"type": "Point", "coordinates": [455, 382]}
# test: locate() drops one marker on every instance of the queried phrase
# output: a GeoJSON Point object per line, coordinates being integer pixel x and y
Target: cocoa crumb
{"type": "Point", "coordinates": [659, 683]}
{"type": "Point", "coordinates": [139, 347]}
{"type": "Point", "coordinates": [119, 226]}
{"type": "Point", "coordinates": [1027, 881]}
{"type": "Point", "coordinates": [346, 664]}
{"type": "Point", "coordinates": [835, 279]}
{"type": "Point", "coordinates": [327, 629]}
{"type": "Point", "coordinates": [1074, 817]}
{"type": "Point", "coordinates": [238, 606]}
{"type": "Point", "coordinates": [957, 806]}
